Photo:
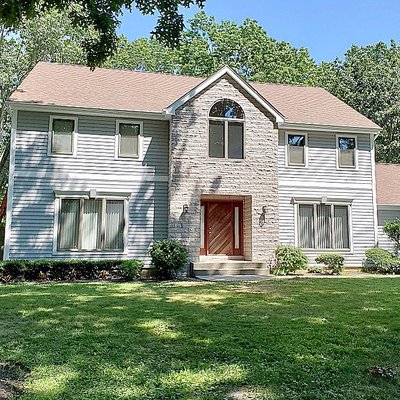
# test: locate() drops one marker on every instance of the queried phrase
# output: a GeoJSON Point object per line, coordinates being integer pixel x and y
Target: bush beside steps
{"type": "Point", "coordinates": [64, 270]}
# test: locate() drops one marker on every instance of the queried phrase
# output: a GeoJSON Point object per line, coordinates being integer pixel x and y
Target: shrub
{"type": "Point", "coordinates": [56, 270]}
{"type": "Point", "coordinates": [168, 258]}
{"type": "Point", "coordinates": [289, 259]}
{"type": "Point", "coordinates": [381, 261]}
{"type": "Point", "coordinates": [130, 269]}
{"type": "Point", "coordinates": [333, 262]}
{"type": "Point", "coordinates": [392, 229]}
{"type": "Point", "coordinates": [314, 269]}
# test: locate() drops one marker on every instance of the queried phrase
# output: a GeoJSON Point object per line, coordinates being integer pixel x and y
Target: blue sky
{"type": "Point", "coordinates": [326, 27]}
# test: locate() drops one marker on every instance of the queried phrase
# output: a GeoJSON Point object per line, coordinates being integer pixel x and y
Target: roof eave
{"type": "Point", "coordinates": [328, 128]}
{"type": "Point", "coordinates": [65, 109]}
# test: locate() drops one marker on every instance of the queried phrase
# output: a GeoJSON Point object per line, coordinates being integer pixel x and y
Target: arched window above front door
{"type": "Point", "coordinates": [226, 130]}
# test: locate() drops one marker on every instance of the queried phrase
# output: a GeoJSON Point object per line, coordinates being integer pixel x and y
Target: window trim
{"type": "Point", "coordinates": [287, 163]}
{"type": "Point", "coordinates": [59, 196]}
{"type": "Point", "coordinates": [226, 133]}
{"type": "Point", "coordinates": [350, 136]}
{"type": "Point", "coordinates": [118, 156]}
{"type": "Point", "coordinates": [74, 136]}
{"type": "Point", "coordinates": [332, 203]}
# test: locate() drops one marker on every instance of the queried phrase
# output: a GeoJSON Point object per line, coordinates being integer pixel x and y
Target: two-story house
{"type": "Point", "coordinates": [104, 162]}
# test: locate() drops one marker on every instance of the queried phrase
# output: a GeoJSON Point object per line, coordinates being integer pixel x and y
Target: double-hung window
{"type": "Point", "coordinates": [226, 130]}
{"type": "Point", "coordinates": [346, 151]}
{"type": "Point", "coordinates": [296, 149]}
{"type": "Point", "coordinates": [323, 226]}
{"type": "Point", "coordinates": [128, 139]}
{"type": "Point", "coordinates": [62, 135]}
{"type": "Point", "coordinates": [91, 224]}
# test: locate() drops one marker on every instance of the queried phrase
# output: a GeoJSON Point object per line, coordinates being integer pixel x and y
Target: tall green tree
{"type": "Point", "coordinates": [368, 79]}
{"type": "Point", "coordinates": [48, 37]}
{"type": "Point", "coordinates": [103, 16]}
{"type": "Point", "coordinates": [207, 45]}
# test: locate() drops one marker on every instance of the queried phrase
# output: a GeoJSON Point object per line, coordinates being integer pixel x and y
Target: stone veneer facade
{"type": "Point", "coordinates": [193, 174]}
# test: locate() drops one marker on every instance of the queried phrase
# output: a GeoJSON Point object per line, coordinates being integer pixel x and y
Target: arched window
{"type": "Point", "coordinates": [226, 130]}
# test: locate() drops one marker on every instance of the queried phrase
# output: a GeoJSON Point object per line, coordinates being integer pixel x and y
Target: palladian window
{"type": "Point", "coordinates": [226, 130]}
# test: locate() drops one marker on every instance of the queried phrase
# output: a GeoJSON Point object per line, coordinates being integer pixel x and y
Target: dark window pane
{"type": "Point", "coordinates": [296, 149]}
{"type": "Point", "coordinates": [323, 221]}
{"type": "Point", "coordinates": [297, 140]}
{"type": "Point", "coordinates": [227, 109]}
{"type": "Point", "coordinates": [341, 227]}
{"type": "Point", "coordinates": [216, 139]}
{"type": "Point", "coordinates": [62, 136]}
{"type": "Point", "coordinates": [235, 140]}
{"type": "Point", "coordinates": [69, 224]}
{"type": "Point", "coordinates": [306, 226]}
{"type": "Point", "coordinates": [347, 152]}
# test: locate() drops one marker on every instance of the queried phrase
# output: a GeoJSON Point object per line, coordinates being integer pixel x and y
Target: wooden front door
{"type": "Point", "coordinates": [222, 228]}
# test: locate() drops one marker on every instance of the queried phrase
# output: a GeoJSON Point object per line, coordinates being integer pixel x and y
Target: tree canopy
{"type": "Point", "coordinates": [103, 16]}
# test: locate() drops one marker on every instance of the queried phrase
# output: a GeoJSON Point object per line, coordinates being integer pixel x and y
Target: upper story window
{"type": "Point", "coordinates": [346, 151]}
{"type": "Point", "coordinates": [296, 149]}
{"type": "Point", "coordinates": [226, 130]}
{"type": "Point", "coordinates": [62, 135]}
{"type": "Point", "coordinates": [129, 139]}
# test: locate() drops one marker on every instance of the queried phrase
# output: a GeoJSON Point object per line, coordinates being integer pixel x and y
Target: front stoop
{"type": "Point", "coordinates": [230, 267]}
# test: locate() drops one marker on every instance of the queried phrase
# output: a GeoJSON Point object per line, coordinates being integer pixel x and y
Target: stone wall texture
{"type": "Point", "coordinates": [193, 174]}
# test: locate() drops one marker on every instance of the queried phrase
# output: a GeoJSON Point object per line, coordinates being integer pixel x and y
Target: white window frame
{"type": "Point", "coordinates": [226, 133]}
{"type": "Point", "coordinates": [350, 136]}
{"type": "Point", "coordinates": [332, 204]}
{"type": "Point", "coordinates": [288, 164]}
{"type": "Point", "coordinates": [74, 136]}
{"type": "Point", "coordinates": [84, 195]}
{"type": "Point", "coordinates": [139, 156]}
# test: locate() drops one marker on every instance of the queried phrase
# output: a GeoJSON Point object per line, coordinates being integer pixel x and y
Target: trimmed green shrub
{"type": "Point", "coordinates": [333, 263]}
{"type": "Point", "coordinates": [58, 270]}
{"type": "Point", "coordinates": [168, 257]}
{"type": "Point", "coordinates": [289, 259]}
{"type": "Point", "coordinates": [381, 261]}
{"type": "Point", "coordinates": [130, 269]}
{"type": "Point", "coordinates": [392, 229]}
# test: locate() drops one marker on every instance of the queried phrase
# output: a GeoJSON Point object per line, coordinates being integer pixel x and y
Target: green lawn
{"type": "Point", "coordinates": [281, 339]}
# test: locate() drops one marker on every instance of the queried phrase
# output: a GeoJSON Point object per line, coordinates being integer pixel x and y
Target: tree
{"type": "Point", "coordinates": [103, 17]}
{"type": "Point", "coordinates": [206, 46]}
{"type": "Point", "coordinates": [392, 229]}
{"type": "Point", "coordinates": [368, 80]}
{"type": "Point", "coordinates": [48, 37]}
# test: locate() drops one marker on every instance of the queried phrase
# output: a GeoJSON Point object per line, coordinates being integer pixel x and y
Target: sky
{"type": "Point", "coordinates": [326, 27]}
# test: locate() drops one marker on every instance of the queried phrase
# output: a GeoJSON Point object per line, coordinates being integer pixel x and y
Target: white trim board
{"type": "Point", "coordinates": [327, 128]}
{"type": "Point", "coordinates": [212, 79]}
{"type": "Point", "coordinates": [317, 184]}
{"type": "Point", "coordinates": [10, 189]}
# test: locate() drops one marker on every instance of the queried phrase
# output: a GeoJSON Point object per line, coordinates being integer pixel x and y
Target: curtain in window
{"type": "Point", "coordinates": [340, 227]}
{"type": "Point", "coordinates": [306, 226]}
{"type": "Point", "coordinates": [62, 135]}
{"type": "Point", "coordinates": [69, 224]}
{"type": "Point", "coordinates": [323, 226]}
{"type": "Point", "coordinates": [128, 136]}
{"type": "Point", "coordinates": [114, 238]}
{"type": "Point", "coordinates": [91, 222]}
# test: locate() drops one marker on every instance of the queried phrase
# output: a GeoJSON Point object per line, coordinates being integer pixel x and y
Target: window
{"type": "Point", "coordinates": [91, 224]}
{"type": "Point", "coordinates": [62, 135]}
{"type": "Point", "coordinates": [226, 130]}
{"type": "Point", "coordinates": [129, 139]}
{"type": "Point", "coordinates": [323, 226]}
{"type": "Point", "coordinates": [296, 149]}
{"type": "Point", "coordinates": [347, 147]}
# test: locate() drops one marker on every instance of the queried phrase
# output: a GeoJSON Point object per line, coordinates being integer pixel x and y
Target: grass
{"type": "Point", "coordinates": [292, 339]}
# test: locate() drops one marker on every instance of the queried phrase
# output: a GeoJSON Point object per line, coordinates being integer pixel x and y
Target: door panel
{"type": "Point", "coordinates": [220, 228]}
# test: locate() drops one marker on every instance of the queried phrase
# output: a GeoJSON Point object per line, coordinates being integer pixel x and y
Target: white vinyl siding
{"type": "Point", "coordinates": [323, 178]}
{"type": "Point", "coordinates": [37, 176]}
{"type": "Point", "coordinates": [386, 213]}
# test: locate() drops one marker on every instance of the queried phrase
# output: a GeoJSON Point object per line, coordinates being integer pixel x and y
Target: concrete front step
{"type": "Point", "coordinates": [230, 268]}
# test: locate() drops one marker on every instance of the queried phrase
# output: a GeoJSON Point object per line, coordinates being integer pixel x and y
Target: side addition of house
{"type": "Point", "coordinates": [105, 162]}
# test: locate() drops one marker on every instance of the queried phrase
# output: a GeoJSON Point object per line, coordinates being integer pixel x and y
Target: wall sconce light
{"type": "Point", "coordinates": [263, 215]}
{"type": "Point", "coordinates": [185, 209]}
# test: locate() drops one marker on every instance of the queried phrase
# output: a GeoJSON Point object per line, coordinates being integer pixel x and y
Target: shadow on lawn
{"type": "Point", "coordinates": [195, 341]}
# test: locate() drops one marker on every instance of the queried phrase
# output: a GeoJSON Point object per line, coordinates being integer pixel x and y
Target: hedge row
{"type": "Point", "coordinates": [381, 261]}
{"type": "Point", "coordinates": [60, 270]}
